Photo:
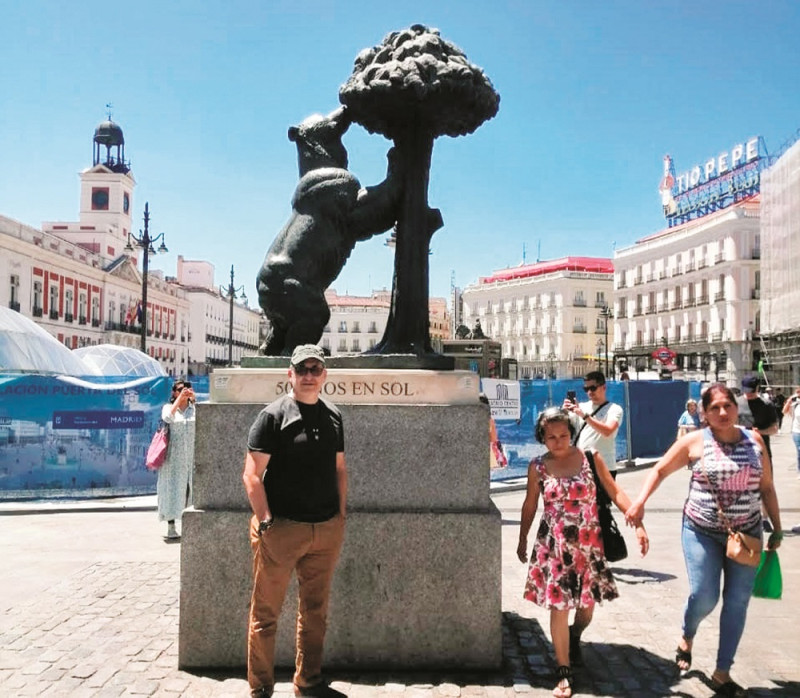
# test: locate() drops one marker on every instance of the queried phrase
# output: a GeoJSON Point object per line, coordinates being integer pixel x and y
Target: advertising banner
{"type": "Point", "coordinates": [65, 436]}
{"type": "Point", "coordinates": [503, 397]}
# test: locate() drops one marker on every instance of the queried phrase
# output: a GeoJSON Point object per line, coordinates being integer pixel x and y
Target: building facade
{"type": "Point", "coordinates": [82, 301]}
{"type": "Point", "coordinates": [230, 328]}
{"type": "Point", "coordinates": [693, 289]}
{"type": "Point", "coordinates": [551, 317]}
{"type": "Point", "coordinates": [81, 281]}
{"type": "Point", "coordinates": [686, 299]}
{"type": "Point", "coordinates": [357, 323]}
{"type": "Point", "coordinates": [780, 264]}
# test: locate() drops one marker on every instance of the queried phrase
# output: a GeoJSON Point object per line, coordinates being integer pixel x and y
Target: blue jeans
{"type": "Point", "coordinates": [704, 553]}
{"type": "Point", "coordinates": [796, 439]}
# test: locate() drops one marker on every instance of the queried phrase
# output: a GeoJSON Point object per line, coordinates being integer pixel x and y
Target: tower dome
{"type": "Point", "coordinates": [109, 135]}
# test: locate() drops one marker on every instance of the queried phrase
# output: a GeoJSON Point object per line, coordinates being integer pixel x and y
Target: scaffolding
{"type": "Point", "coordinates": [780, 268]}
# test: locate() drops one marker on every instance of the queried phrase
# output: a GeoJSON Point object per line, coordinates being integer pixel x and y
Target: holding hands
{"type": "Point", "coordinates": [634, 515]}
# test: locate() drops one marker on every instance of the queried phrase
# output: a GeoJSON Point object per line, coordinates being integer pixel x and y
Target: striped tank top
{"type": "Point", "coordinates": [735, 474]}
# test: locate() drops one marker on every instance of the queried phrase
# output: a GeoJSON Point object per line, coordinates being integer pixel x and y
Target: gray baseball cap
{"type": "Point", "coordinates": [307, 351]}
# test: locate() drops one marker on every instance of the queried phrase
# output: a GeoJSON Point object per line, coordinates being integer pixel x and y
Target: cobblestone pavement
{"type": "Point", "coordinates": [89, 603]}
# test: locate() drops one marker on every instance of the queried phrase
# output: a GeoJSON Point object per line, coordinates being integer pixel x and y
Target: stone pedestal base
{"type": "Point", "coordinates": [418, 583]}
{"type": "Point", "coordinates": [412, 590]}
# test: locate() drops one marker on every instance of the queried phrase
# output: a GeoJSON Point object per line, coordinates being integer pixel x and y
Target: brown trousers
{"type": "Point", "coordinates": [312, 550]}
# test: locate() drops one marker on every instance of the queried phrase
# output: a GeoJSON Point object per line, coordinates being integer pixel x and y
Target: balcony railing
{"type": "Point", "coordinates": [67, 317]}
{"type": "Point", "coordinates": [676, 305]}
{"type": "Point", "coordinates": [13, 305]}
{"type": "Point", "coordinates": [37, 312]}
{"type": "Point", "coordinates": [689, 266]}
{"type": "Point", "coordinates": [579, 302]}
{"type": "Point", "coordinates": [579, 329]}
{"type": "Point", "coordinates": [720, 258]}
{"type": "Point", "coordinates": [719, 296]}
{"type": "Point", "coordinates": [81, 319]}
{"type": "Point", "coordinates": [702, 300]}
{"type": "Point", "coordinates": [95, 322]}
{"type": "Point", "coordinates": [755, 294]}
{"type": "Point", "coordinates": [756, 253]}
{"type": "Point", "coordinates": [53, 315]}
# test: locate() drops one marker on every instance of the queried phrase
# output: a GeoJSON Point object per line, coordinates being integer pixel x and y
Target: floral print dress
{"type": "Point", "coordinates": [568, 568]}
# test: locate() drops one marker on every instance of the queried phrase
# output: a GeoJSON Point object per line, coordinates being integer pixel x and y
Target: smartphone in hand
{"type": "Point", "coordinates": [572, 396]}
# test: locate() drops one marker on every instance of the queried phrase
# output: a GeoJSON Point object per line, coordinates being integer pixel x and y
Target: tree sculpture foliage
{"type": "Point", "coordinates": [412, 88]}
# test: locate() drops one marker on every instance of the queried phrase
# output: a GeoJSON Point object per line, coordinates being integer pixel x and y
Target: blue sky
{"type": "Point", "coordinates": [593, 94]}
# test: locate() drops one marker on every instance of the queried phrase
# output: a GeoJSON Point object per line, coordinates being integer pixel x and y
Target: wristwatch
{"type": "Point", "coordinates": [264, 525]}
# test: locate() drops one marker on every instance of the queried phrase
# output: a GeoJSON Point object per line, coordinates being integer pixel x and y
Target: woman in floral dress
{"type": "Point", "coordinates": [568, 569]}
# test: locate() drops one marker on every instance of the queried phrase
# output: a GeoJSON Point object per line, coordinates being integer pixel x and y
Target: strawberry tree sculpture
{"type": "Point", "coordinates": [412, 88]}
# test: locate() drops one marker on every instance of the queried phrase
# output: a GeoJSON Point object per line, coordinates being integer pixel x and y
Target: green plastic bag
{"type": "Point", "coordinates": [769, 582]}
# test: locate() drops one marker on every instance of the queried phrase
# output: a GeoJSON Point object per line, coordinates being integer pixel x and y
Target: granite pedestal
{"type": "Point", "coordinates": [419, 581]}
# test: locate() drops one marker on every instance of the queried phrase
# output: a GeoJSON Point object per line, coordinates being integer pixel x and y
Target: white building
{"type": "Point", "coordinates": [694, 287]}
{"type": "Point", "coordinates": [210, 310]}
{"type": "Point", "coordinates": [549, 316]}
{"type": "Point", "coordinates": [357, 322]}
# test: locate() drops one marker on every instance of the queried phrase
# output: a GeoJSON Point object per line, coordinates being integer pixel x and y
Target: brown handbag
{"type": "Point", "coordinates": [744, 549]}
{"type": "Point", "coordinates": [741, 548]}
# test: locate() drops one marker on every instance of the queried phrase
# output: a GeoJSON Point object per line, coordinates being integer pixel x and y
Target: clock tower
{"type": "Point", "coordinates": [106, 197]}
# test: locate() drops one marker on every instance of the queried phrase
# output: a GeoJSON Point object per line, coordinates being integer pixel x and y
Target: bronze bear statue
{"type": "Point", "coordinates": [330, 213]}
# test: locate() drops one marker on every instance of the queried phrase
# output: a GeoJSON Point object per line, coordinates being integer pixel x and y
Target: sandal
{"type": "Point", "coordinates": [685, 657]}
{"type": "Point", "coordinates": [729, 689]}
{"type": "Point", "coordinates": [575, 651]}
{"type": "Point", "coordinates": [564, 673]}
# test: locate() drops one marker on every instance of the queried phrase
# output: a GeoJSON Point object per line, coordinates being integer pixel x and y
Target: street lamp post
{"type": "Point", "coordinates": [607, 314]}
{"type": "Point", "coordinates": [600, 346]}
{"type": "Point", "coordinates": [232, 293]}
{"type": "Point", "coordinates": [145, 243]}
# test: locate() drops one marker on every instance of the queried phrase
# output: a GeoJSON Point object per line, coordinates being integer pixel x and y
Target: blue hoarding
{"type": "Point", "coordinates": [61, 435]}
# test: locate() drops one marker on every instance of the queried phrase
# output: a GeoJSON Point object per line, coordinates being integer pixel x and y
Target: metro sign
{"type": "Point", "coordinates": [665, 355]}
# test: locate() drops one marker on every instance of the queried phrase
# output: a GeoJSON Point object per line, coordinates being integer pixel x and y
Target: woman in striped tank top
{"type": "Point", "coordinates": [736, 462]}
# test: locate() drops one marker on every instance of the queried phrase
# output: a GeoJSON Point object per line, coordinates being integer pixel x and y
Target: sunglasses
{"type": "Point", "coordinates": [315, 370]}
{"type": "Point", "coordinates": [590, 388]}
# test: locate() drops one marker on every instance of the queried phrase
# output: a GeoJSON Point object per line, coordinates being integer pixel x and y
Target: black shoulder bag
{"type": "Point", "coordinates": [613, 543]}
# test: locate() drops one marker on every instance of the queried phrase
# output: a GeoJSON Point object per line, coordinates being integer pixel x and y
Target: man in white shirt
{"type": "Point", "coordinates": [600, 420]}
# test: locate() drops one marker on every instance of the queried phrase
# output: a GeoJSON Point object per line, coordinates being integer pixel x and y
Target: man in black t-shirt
{"type": "Point", "coordinates": [755, 413]}
{"type": "Point", "coordinates": [296, 480]}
